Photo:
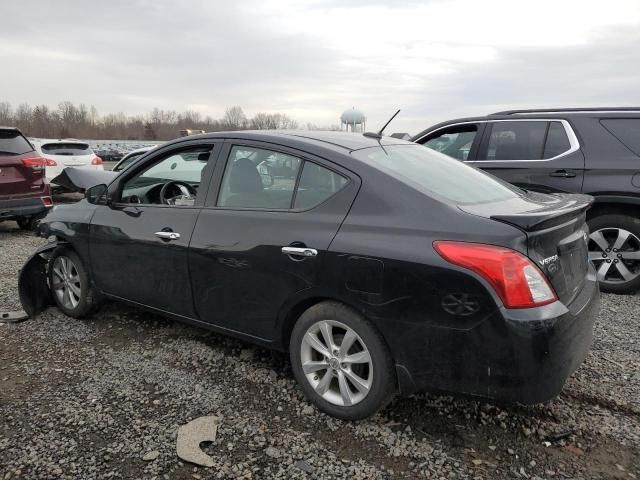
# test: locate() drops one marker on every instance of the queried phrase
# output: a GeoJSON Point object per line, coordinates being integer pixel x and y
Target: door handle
{"type": "Point", "coordinates": [168, 235]}
{"type": "Point", "coordinates": [300, 251]}
{"type": "Point", "coordinates": [562, 174]}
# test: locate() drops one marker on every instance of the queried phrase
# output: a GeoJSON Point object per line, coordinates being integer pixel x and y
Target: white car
{"type": "Point", "coordinates": [66, 153]}
{"type": "Point", "coordinates": [132, 157]}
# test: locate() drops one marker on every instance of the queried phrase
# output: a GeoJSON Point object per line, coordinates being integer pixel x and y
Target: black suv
{"type": "Point", "coordinates": [587, 150]}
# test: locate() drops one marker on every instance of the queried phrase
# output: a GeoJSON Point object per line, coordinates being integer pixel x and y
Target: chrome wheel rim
{"type": "Point", "coordinates": [66, 282]}
{"type": "Point", "coordinates": [615, 252]}
{"type": "Point", "coordinates": [336, 363]}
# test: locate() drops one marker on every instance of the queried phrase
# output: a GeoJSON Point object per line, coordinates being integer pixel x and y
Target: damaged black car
{"type": "Point", "coordinates": [382, 267]}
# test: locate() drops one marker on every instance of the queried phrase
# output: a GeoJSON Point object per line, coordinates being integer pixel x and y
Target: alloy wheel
{"type": "Point", "coordinates": [336, 363]}
{"type": "Point", "coordinates": [615, 253]}
{"type": "Point", "coordinates": [66, 282]}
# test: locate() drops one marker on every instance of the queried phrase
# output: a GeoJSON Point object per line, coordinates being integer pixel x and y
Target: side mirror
{"type": "Point", "coordinates": [97, 195]}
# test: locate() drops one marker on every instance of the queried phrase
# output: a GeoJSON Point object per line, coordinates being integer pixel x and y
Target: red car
{"type": "Point", "coordinates": [24, 193]}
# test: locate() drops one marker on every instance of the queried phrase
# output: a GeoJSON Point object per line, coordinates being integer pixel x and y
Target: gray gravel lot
{"type": "Point", "coordinates": [89, 399]}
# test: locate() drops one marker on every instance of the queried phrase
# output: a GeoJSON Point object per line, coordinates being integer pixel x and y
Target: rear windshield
{"type": "Point", "coordinates": [66, 149]}
{"type": "Point", "coordinates": [434, 173]}
{"type": "Point", "coordinates": [13, 143]}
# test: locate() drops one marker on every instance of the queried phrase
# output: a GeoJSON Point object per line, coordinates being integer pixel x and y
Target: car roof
{"type": "Point", "coordinates": [549, 113]}
{"type": "Point", "coordinates": [344, 141]}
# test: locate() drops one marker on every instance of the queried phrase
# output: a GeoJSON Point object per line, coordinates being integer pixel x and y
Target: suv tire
{"type": "Point", "coordinates": [352, 382]}
{"type": "Point", "coordinates": [70, 284]}
{"type": "Point", "coordinates": [614, 248]}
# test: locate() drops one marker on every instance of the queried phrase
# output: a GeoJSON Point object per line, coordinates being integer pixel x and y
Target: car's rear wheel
{"type": "Point", "coordinates": [341, 362]}
{"type": "Point", "coordinates": [614, 248]}
{"type": "Point", "coordinates": [26, 223]}
{"type": "Point", "coordinates": [70, 284]}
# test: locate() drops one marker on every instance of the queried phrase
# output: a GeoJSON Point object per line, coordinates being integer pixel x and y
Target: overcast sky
{"type": "Point", "coordinates": [313, 59]}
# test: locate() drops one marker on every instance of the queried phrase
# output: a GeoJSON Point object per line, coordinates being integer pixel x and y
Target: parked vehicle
{"type": "Point", "coordinates": [130, 158]}
{"type": "Point", "coordinates": [588, 150]}
{"type": "Point", "coordinates": [66, 153]}
{"type": "Point", "coordinates": [24, 193]}
{"type": "Point", "coordinates": [381, 266]}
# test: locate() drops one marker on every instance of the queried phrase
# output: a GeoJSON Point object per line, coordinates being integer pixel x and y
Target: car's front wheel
{"type": "Point", "coordinates": [70, 285]}
{"type": "Point", "coordinates": [341, 362]}
{"type": "Point", "coordinates": [614, 249]}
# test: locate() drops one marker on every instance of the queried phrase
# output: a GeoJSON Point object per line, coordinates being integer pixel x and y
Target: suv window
{"type": "Point", "coordinates": [627, 130]}
{"type": "Point", "coordinates": [557, 140]}
{"type": "Point", "coordinates": [184, 165]}
{"type": "Point", "coordinates": [67, 149]}
{"type": "Point", "coordinates": [520, 140]}
{"type": "Point", "coordinates": [433, 173]}
{"type": "Point", "coordinates": [316, 185]}
{"type": "Point", "coordinates": [13, 143]}
{"type": "Point", "coordinates": [258, 178]}
{"type": "Point", "coordinates": [455, 141]}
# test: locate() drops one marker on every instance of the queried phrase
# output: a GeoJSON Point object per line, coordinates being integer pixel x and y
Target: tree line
{"type": "Point", "coordinates": [81, 121]}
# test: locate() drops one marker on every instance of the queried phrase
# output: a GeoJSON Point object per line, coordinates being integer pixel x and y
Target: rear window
{"type": "Point", "coordinates": [13, 143]}
{"type": "Point", "coordinates": [66, 149]}
{"type": "Point", "coordinates": [627, 130]}
{"type": "Point", "coordinates": [434, 173]}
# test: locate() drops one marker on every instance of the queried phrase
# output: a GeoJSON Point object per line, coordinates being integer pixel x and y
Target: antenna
{"type": "Point", "coordinates": [378, 135]}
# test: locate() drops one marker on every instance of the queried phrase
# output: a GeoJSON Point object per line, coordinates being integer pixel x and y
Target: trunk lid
{"type": "Point", "coordinates": [18, 180]}
{"type": "Point", "coordinates": [557, 234]}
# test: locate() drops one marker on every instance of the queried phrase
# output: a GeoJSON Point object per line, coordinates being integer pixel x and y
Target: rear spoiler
{"type": "Point", "coordinates": [540, 220]}
{"type": "Point", "coordinates": [80, 179]}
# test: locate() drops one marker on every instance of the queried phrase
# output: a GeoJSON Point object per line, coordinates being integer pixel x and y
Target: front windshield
{"type": "Point", "coordinates": [434, 173]}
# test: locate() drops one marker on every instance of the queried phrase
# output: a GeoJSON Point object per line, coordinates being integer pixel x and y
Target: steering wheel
{"type": "Point", "coordinates": [187, 192]}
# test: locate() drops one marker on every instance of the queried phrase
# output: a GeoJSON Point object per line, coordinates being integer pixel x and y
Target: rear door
{"type": "Point", "coordinates": [263, 234]}
{"type": "Point", "coordinates": [20, 173]}
{"type": "Point", "coordinates": [539, 155]}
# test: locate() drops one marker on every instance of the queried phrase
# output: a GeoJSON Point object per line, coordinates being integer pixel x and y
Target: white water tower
{"type": "Point", "coordinates": [352, 120]}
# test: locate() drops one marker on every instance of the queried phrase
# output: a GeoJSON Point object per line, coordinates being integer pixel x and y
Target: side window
{"type": "Point", "coordinates": [626, 130]}
{"type": "Point", "coordinates": [515, 141]}
{"type": "Point", "coordinates": [179, 172]}
{"type": "Point", "coordinates": [258, 178]}
{"type": "Point", "coordinates": [455, 142]}
{"type": "Point", "coordinates": [316, 185]}
{"type": "Point", "coordinates": [557, 141]}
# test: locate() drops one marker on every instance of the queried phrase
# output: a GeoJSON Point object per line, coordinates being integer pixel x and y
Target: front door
{"type": "Point", "coordinates": [264, 238]}
{"type": "Point", "coordinates": [139, 242]}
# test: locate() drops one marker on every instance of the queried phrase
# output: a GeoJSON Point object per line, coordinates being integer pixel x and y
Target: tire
{"type": "Point", "coordinates": [80, 301]}
{"type": "Point", "coordinates": [26, 223]}
{"type": "Point", "coordinates": [330, 373]}
{"type": "Point", "coordinates": [614, 248]}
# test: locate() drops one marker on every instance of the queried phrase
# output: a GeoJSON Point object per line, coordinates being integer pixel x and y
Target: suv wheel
{"type": "Point", "coordinates": [72, 290]}
{"type": "Point", "coordinates": [341, 362]}
{"type": "Point", "coordinates": [614, 248]}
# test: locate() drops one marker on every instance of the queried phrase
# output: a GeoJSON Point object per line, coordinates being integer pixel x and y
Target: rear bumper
{"type": "Point", "coordinates": [21, 207]}
{"type": "Point", "coordinates": [519, 356]}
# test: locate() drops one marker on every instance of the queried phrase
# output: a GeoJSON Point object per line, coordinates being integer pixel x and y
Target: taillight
{"type": "Point", "coordinates": [48, 202]}
{"type": "Point", "coordinates": [36, 163]}
{"type": "Point", "coordinates": [96, 161]}
{"type": "Point", "coordinates": [516, 279]}
{"type": "Point", "coordinates": [50, 162]}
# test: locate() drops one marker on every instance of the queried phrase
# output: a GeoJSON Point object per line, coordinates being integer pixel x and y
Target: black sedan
{"type": "Point", "coordinates": [382, 267]}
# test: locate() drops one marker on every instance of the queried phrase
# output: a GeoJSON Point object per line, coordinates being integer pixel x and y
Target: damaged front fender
{"type": "Point", "coordinates": [33, 283]}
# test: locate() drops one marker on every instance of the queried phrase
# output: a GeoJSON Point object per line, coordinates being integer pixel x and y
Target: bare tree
{"type": "Point", "coordinates": [82, 121]}
{"type": "Point", "coordinates": [234, 119]}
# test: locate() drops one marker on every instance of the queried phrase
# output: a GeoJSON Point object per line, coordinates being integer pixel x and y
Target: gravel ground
{"type": "Point", "coordinates": [89, 399]}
